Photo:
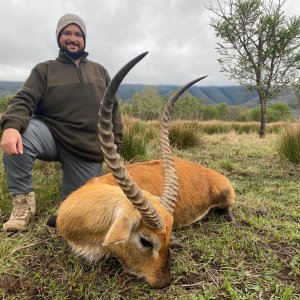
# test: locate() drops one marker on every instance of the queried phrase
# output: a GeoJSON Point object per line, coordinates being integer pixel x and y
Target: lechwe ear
{"type": "Point", "coordinates": [121, 228]}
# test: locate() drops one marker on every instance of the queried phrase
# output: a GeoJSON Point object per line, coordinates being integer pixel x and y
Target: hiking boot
{"type": "Point", "coordinates": [23, 212]}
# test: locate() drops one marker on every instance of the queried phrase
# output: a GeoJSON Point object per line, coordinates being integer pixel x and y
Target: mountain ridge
{"type": "Point", "coordinates": [231, 95]}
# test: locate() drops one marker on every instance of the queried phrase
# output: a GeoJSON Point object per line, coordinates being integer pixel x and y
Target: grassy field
{"type": "Point", "coordinates": [257, 257]}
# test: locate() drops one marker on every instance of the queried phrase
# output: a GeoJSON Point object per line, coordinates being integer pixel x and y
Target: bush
{"type": "Point", "coordinates": [210, 112]}
{"type": "Point", "coordinates": [275, 112]}
{"type": "Point", "coordinates": [279, 112]}
{"type": "Point", "coordinates": [184, 134]}
{"type": "Point", "coordinates": [289, 144]}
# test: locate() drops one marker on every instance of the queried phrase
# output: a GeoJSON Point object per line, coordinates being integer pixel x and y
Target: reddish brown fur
{"type": "Point", "coordinates": [200, 188]}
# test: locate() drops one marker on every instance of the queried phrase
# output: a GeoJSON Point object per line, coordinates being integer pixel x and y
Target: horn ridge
{"type": "Point", "coordinates": [149, 214]}
{"type": "Point", "coordinates": [170, 193]}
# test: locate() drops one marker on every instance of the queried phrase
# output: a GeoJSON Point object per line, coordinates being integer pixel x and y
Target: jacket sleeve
{"type": "Point", "coordinates": [23, 105]}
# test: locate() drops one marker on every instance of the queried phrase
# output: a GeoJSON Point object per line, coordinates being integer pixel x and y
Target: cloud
{"type": "Point", "coordinates": [176, 33]}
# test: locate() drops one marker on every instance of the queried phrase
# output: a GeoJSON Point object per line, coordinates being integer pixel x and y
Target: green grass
{"type": "Point", "coordinates": [185, 135]}
{"type": "Point", "coordinates": [4, 102]}
{"type": "Point", "coordinates": [137, 135]}
{"type": "Point", "coordinates": [257, 257]}
{"type": "Point", "coordinates": [289, 144]}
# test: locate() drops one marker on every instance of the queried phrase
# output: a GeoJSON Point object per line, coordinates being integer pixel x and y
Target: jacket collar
{"type": "Point", "coordinates": [64, 58]}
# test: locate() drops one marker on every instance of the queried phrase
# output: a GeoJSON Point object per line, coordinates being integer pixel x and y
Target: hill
{"type": "Point", "coordinates": [232, 95]}
{"type": "Point", "coordinates": [9, 87]}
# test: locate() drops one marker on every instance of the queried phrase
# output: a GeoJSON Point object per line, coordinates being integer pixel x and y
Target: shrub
{"type": "Point", "coordinates": [184, 134]}
{"type": "Point", "coordinates": [210, 112]}
{"type": "Point", "coordinates": [289, 144]}
{"type": "Point", "coordinates": [279, 111]}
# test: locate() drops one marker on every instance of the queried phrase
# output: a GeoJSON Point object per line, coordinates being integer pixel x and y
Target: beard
{"type": "Point", "coordinates": [73, 55]}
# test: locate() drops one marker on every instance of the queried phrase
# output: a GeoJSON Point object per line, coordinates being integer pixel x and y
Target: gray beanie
{"type": "Point", "coordinates": [68, 19]}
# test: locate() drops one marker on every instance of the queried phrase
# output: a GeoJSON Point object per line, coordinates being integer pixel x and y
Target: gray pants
{"type": "Point", "coordinates": [38, 143]}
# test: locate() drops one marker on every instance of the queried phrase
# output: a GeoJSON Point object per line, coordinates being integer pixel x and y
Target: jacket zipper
{"type": "Point", "coordinates": [78, 68]}
{"type": "Point", "coordinates": [79, 72]}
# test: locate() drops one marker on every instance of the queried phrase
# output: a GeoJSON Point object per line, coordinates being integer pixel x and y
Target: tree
{"type": "Point", "coordinates": [222, 109]}
{"type": "Point", "coordinates": [259, 46]}
{"type": "Point", "coordinates": [147, 104]}
{"type": "Point", "coordinates": [210, 112]}
{"type": "Point", "coordinates": [188, 108]}
{"type": "Point", "coordinates": [279, 111]}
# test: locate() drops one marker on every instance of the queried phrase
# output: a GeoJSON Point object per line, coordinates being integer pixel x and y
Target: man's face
{"type": "Point", "coordinates": [71, 39]}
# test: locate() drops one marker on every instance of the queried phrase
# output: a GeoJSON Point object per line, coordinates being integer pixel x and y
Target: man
{"type": "Point", "coordinates": [54, 118]}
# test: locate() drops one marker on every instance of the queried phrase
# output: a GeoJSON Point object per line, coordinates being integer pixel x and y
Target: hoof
{"type": "Point", "coordinates": [175, 244]}
{"type": "Point", "coordinates": [52, 221]}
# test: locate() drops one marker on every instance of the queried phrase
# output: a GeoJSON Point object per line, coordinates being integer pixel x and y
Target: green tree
{"type": "Point", "coordinates": [279, 111]}
{"type": "Point", "coordinates": [222, 109]}
{"type": "Point", "coordinates": [210, 112]}
{"type": "Point", "coordinates": [147, 104]}
{"type": "Point", "coordinates": [188, 108]}
{"type": "Point", "coordinates": [259, 46]}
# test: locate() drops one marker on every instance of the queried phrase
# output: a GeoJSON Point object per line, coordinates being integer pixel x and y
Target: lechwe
{"type": "Point", "coordinates": [103, 218]}
{"type": "Point", "coordinates": [200, 189]}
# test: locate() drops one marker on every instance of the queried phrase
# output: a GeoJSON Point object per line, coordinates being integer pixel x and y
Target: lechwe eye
{"type": "Point", "coordinates": [146, 243]}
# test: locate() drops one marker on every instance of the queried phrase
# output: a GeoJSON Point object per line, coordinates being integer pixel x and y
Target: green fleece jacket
{"type": "Point", "coordinates": [66, 97]}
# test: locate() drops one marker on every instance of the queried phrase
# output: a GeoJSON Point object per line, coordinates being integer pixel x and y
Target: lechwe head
{"type": "Point", "coordinates": [123, 220]}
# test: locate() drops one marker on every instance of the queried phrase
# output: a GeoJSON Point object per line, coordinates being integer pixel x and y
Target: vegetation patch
{"type": "Point", "coordinates": [256, 257]}
{"type": "Point", "coordinates": [184, 135]}
{"type": "Point", "coordinates": [289, 144]}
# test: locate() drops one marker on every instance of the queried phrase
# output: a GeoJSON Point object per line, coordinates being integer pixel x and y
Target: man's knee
{"type": "Point", "coordinates": [38, 140]}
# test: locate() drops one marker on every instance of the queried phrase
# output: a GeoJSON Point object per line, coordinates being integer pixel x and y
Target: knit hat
{"type": "Point", "coordinates": [68, 19]}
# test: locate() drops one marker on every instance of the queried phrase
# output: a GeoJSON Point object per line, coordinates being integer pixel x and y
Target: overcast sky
{"type": "Point", "coordinates": [176, 33]}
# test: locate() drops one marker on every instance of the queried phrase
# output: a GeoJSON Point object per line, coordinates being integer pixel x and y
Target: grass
{"type": "Point", "coordinates": [289, 144]}
{"type": "Point", "coordinates": [257, 257]}
{"type": "Point", "coordinates": [184, 134]}
{"type": "Point", "coordinates": [4, 102]}
{"type": "Point", "coordinates": [218, 127]}
{"type": "Point", "coordinates": [137, 138]}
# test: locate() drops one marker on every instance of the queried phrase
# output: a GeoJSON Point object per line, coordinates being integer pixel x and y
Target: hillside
{"type": "Point", "coordinates": [9, 87]}
{"type": "Point", "coordinates": [232, 95]}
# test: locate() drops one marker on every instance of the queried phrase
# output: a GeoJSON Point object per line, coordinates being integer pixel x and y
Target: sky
{"type": "Point", "coordinates": [177, 34]}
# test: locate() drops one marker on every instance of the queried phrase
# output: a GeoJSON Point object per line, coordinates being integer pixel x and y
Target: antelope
{"type": "Point", "coordinates": [200, 189]}
{"type": "Point", "coordinates": [131, 212]}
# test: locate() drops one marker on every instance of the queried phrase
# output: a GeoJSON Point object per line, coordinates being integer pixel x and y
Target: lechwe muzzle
{"type": "Point", "coordinates": [131, 216]}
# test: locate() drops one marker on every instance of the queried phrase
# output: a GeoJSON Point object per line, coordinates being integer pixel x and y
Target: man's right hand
{"type": "Point", "coordinates": [11, 142]}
